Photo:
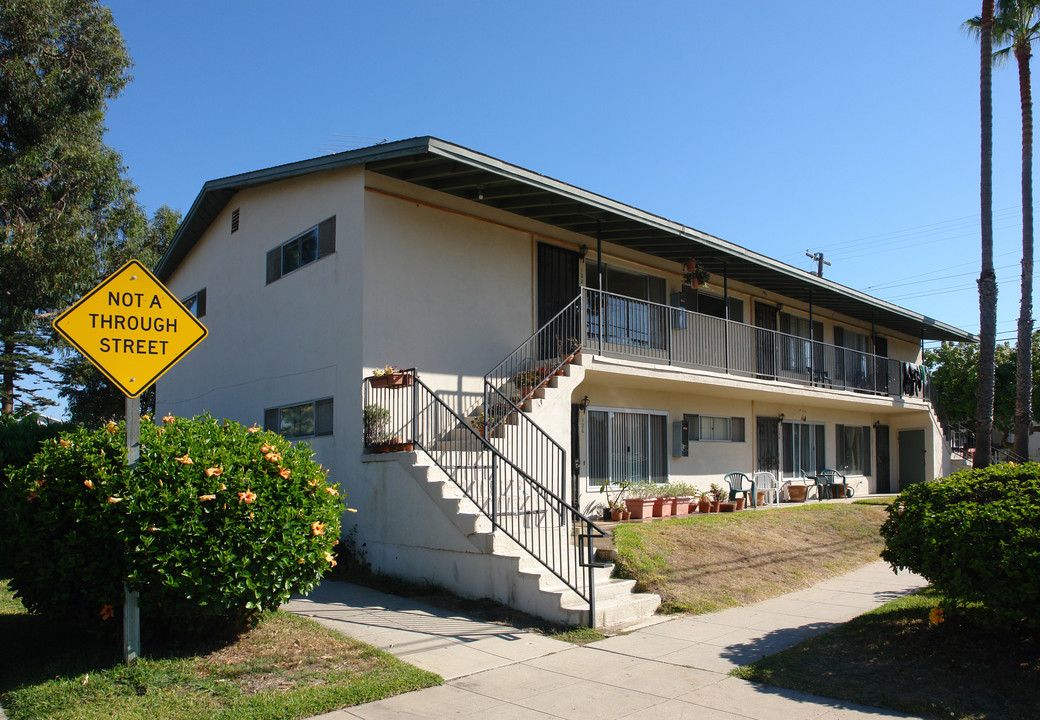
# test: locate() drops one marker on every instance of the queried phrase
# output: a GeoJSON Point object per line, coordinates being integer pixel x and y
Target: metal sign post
{"type": "Point", "coordinates": [133, 330]}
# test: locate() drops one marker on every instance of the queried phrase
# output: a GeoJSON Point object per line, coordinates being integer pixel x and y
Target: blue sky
{"type": "Point", "coordinates": [850, 129]}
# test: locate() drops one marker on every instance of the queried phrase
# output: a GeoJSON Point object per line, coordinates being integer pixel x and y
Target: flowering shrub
{"type": "Point", "coordinates": [216, 522]}
{"type": "Point", "coordinates": [974, 536]}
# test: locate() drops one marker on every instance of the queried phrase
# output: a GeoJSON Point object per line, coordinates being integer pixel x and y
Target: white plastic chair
{"type": "Point", "coordinates": [766, 482]}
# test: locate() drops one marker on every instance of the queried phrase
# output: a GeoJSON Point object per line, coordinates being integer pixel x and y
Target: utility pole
{"type": "Point", "coordinates": [818, 259]}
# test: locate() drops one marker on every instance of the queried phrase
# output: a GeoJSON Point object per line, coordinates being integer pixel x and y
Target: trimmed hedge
{"type": "Point", "coordinates": [216, 524]}
{"type": "Point", "coordinates": [975, 536]}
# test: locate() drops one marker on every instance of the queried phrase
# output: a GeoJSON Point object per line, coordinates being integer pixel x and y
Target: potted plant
{"type": "Point", "coordinates": [615, 499]}
{"type": "Point", "coordinates": [390, 376]}
{"type": "Point", "coordinates": [704, 503]}
{"type": "Point", "coordinates": [527, 381]}
{"type": "Point", "coordinates": [719, 495]}
{"type": "Point", "coordinates": [641, 500]}
{"type": "Point", "coordinates": [684, 497]}
{"type": "Point", "coordinates": [694, 276]}
{"type": "Point", "coordinates": [662, 501]}
{"type": "Point", "coordinates": [376, 423]}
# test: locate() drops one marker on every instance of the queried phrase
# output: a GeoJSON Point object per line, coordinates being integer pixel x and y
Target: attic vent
{"type": "Point", "coordinates": [234, 220]}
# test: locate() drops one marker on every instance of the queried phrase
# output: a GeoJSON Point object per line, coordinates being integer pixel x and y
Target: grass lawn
{"type": "Point", "coordinates": [287, 667]}
{"type": "Point", "coordinates": [893, 657]}
{"type": "Point", "coordinates": [708, 563]}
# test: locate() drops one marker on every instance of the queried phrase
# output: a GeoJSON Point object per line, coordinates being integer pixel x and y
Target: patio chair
{"type": "Point", "coordinates": [741, 484]}
{"type": "Point", "coordinates": [765, 482]}
{"type": "Point", "coordinates": [828, 482]}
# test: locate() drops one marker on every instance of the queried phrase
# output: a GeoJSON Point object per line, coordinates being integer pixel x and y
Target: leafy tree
{"type": "Point", "coordinates": [92, 399]}
{"type": "Point", "coordinates": [1016, 28]}
{"type": "Point", "coordinates": [982, 27]}
{"type": "Point", "coordinates": [62, 190]}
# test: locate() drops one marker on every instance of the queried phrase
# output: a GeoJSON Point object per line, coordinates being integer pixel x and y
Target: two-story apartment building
{"type": "Point", "coordinates": [562, 342]}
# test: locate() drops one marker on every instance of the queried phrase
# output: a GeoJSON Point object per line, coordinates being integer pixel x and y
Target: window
{"type": "Point", "coordinates": [635, 321]}
{"type": "Point", "coordinates": [708, 428]}
{"type": "Point", "coordinates": [796, 351]}
{"type": "Point", "coordinates": [234, 220]}
{"type": "Point", "coordinates": [627, 446]}
{"type": "Point", "coordinates": [802, 446]}
{"type": "Point", "coordinates": [305, 248]}
{"type": "Point", "coordinates": [304, 420]}
{"type": "Point", "coordinates": [196, 304]}
{"type": "Point", "coordinates": [853, 449]}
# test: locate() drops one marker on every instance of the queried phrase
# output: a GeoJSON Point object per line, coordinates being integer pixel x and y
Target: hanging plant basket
{"type": "Point", "coordinates": [393, 380]}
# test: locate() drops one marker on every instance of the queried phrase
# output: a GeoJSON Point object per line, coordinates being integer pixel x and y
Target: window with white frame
{"type": "Point", "coordinates": [801, 448]}
{"type": "Point", "coordinates": [711, 428]}
{"type": "Point", "coordinates": [626, 446]}
{"type": "Point", "coordinates": [309, 246]}
{"type": "Point", "coordinates": [308, 419]}
{"type": "Point", "coordinates": [853, 449]}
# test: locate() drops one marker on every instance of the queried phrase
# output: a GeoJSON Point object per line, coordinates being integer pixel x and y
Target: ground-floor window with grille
{"type": "Point", "coordinates": [627, 446]}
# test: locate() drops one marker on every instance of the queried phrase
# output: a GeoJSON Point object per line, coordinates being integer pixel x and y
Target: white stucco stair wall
{"type": "Point", "coordinates": [424, 529]}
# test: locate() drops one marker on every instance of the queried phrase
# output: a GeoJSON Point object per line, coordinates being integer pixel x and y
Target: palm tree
{"type": "Point", "coordinates": [1016, 27]}
{"type": "Point", "coordinates": [982, 26]}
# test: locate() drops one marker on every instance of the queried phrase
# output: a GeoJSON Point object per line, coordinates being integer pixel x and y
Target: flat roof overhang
{"type": "Point", "coordinates": [464, 173]}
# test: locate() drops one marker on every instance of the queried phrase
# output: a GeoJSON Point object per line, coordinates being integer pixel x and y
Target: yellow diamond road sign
{"type": "Point", "coordinates": [131, 328]}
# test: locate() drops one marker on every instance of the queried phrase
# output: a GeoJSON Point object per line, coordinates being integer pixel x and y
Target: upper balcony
{"type": "Point", "coordinates": [615, 325]}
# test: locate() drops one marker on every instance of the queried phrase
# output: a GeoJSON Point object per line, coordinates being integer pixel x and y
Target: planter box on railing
{"type": "Point", "coordinates": [393, 380]}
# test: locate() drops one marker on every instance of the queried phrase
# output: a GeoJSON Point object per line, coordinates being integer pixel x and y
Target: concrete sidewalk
{"type": "Point", "coordinates": [670, 668]}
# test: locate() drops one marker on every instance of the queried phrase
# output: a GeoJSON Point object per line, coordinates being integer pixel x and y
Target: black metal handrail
{"type": "Point", "coordinates": [405, 414]}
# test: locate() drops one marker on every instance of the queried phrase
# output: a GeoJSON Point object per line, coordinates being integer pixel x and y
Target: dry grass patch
{"type": "Point", "coordinates": [707, 563]}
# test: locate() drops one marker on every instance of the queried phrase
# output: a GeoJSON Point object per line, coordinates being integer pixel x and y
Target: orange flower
{"type": "Point", "coordinates": [90, 485]}
{"type": "Point", "coordinates": [265, 448]}
{"type": "Point", "coordinates": [318, 528]}
{"type": "Point", "coordinates": [313, 483]}
{"type": "Point", "coordinates": [107, 612]}
{"type": "Point", "coordinates": [168, 418]}
{"type": "Point", "coordinates": [114, 500]}
{"type": "Point", "coordinates": [204, 498]}
{"type": "Point", "coordinates": [332, 491]}
{"type": "Point", "coordinates": [330, 559]}
{"type": "Point", "coordinates": [111, 428]}
{"type": "Point", "coordinates": [64, 443]}
{"type": "Point", "coordinates": [272, 457]}
{"type": "Point", "coordinates": [210, 472]}
{"type": "Point", "coordinates": [185, 460]}
{"type": "Point", "coordinates": [353, 510]}
{"type": "Point", "coordinates": [253, 429]}
{"type": "Point", "coordinates": [935, 615]}
{"type": "Point", "coordinates": [247, 497]}
{"type": "Point", "coordinates": [250, 516]}
{"type": "Point", "coordinates": [284, 472]}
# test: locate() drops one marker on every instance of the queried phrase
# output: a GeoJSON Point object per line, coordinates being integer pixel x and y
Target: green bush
{"type": "Point", "coordinates": [21, 437]}
{"type": "Point", "coordinates": [216, 524]}
{"type": "Point", "coordinates": [975, 536]}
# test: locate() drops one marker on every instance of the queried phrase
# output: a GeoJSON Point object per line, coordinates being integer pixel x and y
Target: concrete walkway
{"type": "Point", "coordinates": [670, 668]}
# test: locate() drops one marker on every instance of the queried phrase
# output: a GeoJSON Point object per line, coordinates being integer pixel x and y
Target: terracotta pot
{"type": "Point", "coordinates": [393, 380]}
{"type": "Point", "coordinates": [682, 505]}
{"type": "Point", "coordinates": [704, 505]}
{"type": "Point", "coordinates": [760, 498]}
{"type": "Point", "coordinates": [662, 507]}
{"type": "Point", "coordinates": [640, 507]}
{"type": "Point", "coordinates": [740, 503]}
{"type": "Point", "coordinates": [626, 515]}
{"type": "Point", "coordinates": [797, 492]}
{"type": "Point", "coordinates": [727, 507]}
{"type": "Point", "coordinates": [714, 506]}
{"type": "Point", "coordinates": [393, 447]}
{"type": "Point", "coordinates": [615, 514]}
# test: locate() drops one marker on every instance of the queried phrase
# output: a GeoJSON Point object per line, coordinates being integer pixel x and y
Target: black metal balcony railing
{"type": "Point", "coordinates": [538, 519]}
{"type": "Point", "coordinates": [619, 325]}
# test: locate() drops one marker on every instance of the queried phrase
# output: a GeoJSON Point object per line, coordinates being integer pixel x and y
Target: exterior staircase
{"type": "Point", "coordinates": [519, 580]}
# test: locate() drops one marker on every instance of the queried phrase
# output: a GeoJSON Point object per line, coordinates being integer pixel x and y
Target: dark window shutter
{"type": "Point", "coordinates": [200, 303]}
{"type": "Point", "coordinates": [817, 331]}
{"type": "Point", "coordinates": [785, 323]}
{"type": "Point", "coordinates": [271, 419]}
{"type": "Point", "coordinates": [327, 237]}
{"type": "Point", "coordinates": [820, 447]}
{"type": "Point", "coordinates": [839, 447]}
{"type": "Point", "coordinates": [274, 264]}
{"type": "Point", "coordinates": [736, 310]}
{"type": "Point", "coordinates": [881, 346]}
{"type": "Point", "coordinates": [839, 336]}
{"type": "Point", "coordinates": [867, 457]}
{"type": "Point", "coordinates": [693, 424]}
{"type": "Point", "coordinates": [736, 429]}
{"type": "Point", "coordinates": [234, 220]}
{"type": "Point", "coordinates": [323, 417]}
